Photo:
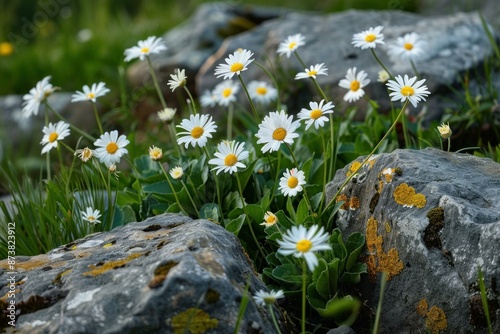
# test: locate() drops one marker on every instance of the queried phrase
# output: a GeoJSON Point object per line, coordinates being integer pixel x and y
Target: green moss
{"type": "Point", "coordinates": [193, 320]}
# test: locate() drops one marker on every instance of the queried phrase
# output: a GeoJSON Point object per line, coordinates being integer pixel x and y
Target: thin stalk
{"type": "Point", "coordinates": [217, 187]}
{"type": "Point", "coordinates": [299, 59]}
{"type": "Point", "coordinates": [155, 82]}
{"type": "Point", "coordinates": [405, 131]}
{"type": "Point", "coordinates": [248, 219]}
{"type": "Point", "coordinates": [191, 98]}
{"type": "Point", "coordinates": [414, 69]}
{"type": "Point", "coordinates": [272, 77]}
{"type": "Point", "coordinates": [320, 91]}
{"type": "Point", "coordinates": [252, 106]}
{"type": "Point", "coordinates": [276, 175]}
{"type": "Point", "coordinates": [380, 300]}
{"type": "Point", "coordinates": [173, 190]}
{"type": "Point", "coordinates": [334, 151]}
{"type": "Point", "coordinates": [98, 120]}
{"type": "Point", "coordinates": [47, 160]}
{"type": "Point", "coordinates": [274, 319]}
{"type": "Point", "coordinates": [190, 197]}
{"type": "Point", "coordinates": [74, 128]}
{"type": "Point", "coordinates": [172, 132]}
{"type": "Point", "coordinates": [243, 307]}
{"type": "Point", "coordinates": [230, 114]}
{"type": "Point", "coordinates": [304, 188]}
{"type": "Point", "coordinates": [380, 62]}
{"type": "Point", "coordinates": [449, 143]}
{"type": "Point", "coordinates": [304, 281]}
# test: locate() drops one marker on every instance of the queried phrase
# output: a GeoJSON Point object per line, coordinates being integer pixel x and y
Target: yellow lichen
{"type": "Point", "coordinates": [353, 203]}
{"type": "Point", "coordinates": [407, 196]}
{"type": "Point", "coordinates": [422, 307]}
{"type": "Point", "coordinates": [371, 162]}
{"type": "Point", "coordinates": [435, 318]}
{"type": "Point", "coordinates": [354, 168]}
{"type": "Point", "coordinates": [342, 198]}
{"type": "Point", "coordinates": [98, 270]}
{"type": "Point", "coordinates": [378, 260]}
{"type": "Point", "coordinates": [107, 245]}
{"type": "Point", "coordinates": [193, 320]}
{"type": "Point", "coordinates": [388, 228]}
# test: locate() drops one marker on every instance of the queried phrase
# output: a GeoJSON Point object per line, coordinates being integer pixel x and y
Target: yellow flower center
{"type": "Point", "coordinates": [197, 132]}
{"type": "Point", "coordinates": [292, 45]}
{"type": "Point", "coordinates": [311, 73]}
{"type": "Point", "coordinates": [408, 46]}
{"type": "Point", "coordinates": [6, 49]}
{"type": "Point", "coordinates": [354, 85]}
{"type": "Point", "coordinates": [292, 182]}
{"type": "Point", "coordinates": [370, 38]}
{"type": "Point", "coordinates": [230, 160]}
{"type": "Point", "coordinates": [316, 113]}
{"type": "Point", "coordinates": [271, 219]}
{"type": "Point", "coordinates": [91, 218]}
{"type": "Point", "coordinates": [236, 67]}
{"type": "Point", "coordinates": [112, 148]}
{"type": "Point", "coordinates": [407, 91]}
{"type": "Point", "coordinates": [53, 137]}
{"type": "Point", "coordinates": [279, 134]}
{"type": "Point", "coordinates": [145, 49]}
{"type": "Point", "coordinates": [90, 96]}
{"type": "Point", "coordinates": [226, 92]}
{"type": "Point", "coordinates": [303, 245]}
{"type": "Point", "coordinates": [261, 90]}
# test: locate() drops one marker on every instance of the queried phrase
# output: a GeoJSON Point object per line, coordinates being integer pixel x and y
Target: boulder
{"type": "Point", "coordinates": [167, 274]}
{"type": "Point", "coordinates": [432, 220]}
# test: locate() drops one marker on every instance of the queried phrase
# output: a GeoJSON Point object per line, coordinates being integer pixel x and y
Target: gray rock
{"type": "Point", "coordinates": [431, 219]}
{"type": "Point", "coordinates": [163, 275]}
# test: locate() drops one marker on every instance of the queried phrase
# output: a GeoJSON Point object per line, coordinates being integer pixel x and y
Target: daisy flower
{"type": "Point", "coordinates": [37, 95]}
{"type": "Point", "coordinates": [316, 115]}
{"type": "Point", "coordinates": [229, 157]}
{"type": "Point", "coordinates": [235, 64]}
{"type": "Point", "coordinates": [368, 38]}
{"type": "Point", "coordinates": [408, 47]}
{"type": "Point", "coordinates": [178, 79]}
{"type": "Point", "coordinates": [176, 172]}
{"type": "Point", "coordinates": [277, 128]}
{"type": "Point", "coordinates": [208, 99]}
{"type": "Point", "coordinates": [407, 89]}
{"type": "Point", "coordinates": [112, 170]}
{"type": "Point", "coordinates": [444, 130]}
{"type": "Point", "coordinates": [110, 147]}
{"type": "Point", "coordinates": [52, 134]}
{"type": "Point", "coordinates": [303, 243]}
{"type": "Point", "coordinates": [225, 92]}
{"type": "Point", "coordinates": [263, 298]}
{"type": "Point", "coordinates": [155, 153]}
{"type": "Point", "coordinates": [197, 129]}
{"type": "Point", "coordinates": [269, 219]}
{"type": "Point", "coordinates": [292, 181]}
{"type": "Point", "coordinates": [90, 93]}
{"type": "Point", "coordinates": [151, 45]}
{"type": "Point", "coordinates": [85, 154]}
{"type": "Point", "coordinates": [312, 72]}
{"type": "Point", "coordinates": [167, 114]}
{"type": "Point", "coordinates": [383, 76]}
{"type": "Point", "coordinates": [262, 92]}
{"type": "Point", "coordinates": [90, 215]}
{"type": "Point", "coordinates": [355, 83]}
{"type": "Point", "coordinates": [290, 44]}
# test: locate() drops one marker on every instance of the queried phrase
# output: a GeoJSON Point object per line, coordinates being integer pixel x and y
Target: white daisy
{"type": "Point", "coordinates": [235, 64]}
{"type": "Point", "coordinates": [85, 154]}
{"type": "Point", "coordinates": [312, 72]}
{"type": "Point", "coordinates": [292, 181]}
{"type": "Point", "coordinates": [269, 219]}
{"type": "Point", "coordinates": [52, 134]}
{"type": "Point", "coordinates": [225, 92]}
{"type": "Point", "coordinates": [151, 45]}
{"type": "Point", "coordinates": [316, 115]}
{"type": "Point", "coordinates": [355, 83]}
{"type": "Point", "coordinates": [229, 157]}
{"type": "Point", "coordinates": [90, 94]}
{"type": "Point", "coordinates": [37, 95]}
{"type": "Point", "coordinates": [112, 170]}
{"type": "Point", "coordinates": [176, 172]}
{"type": "Point", "coordinates": [277, 128]}
{"type": "Point", "coordinates": [178, 79]}
{"type": "Point", "coordinates": [383, 76]}
{"type": "Point", "coordinates": [303, 243]}
{"type": "Point", "coordinates": [444, 130]}
{"type": "Point", "coordinates": [167, 114]}
{"type": "Point", "coordinates": [110, 147]}
{"type": "Point", "coordinates": [291, 44]}
{"type": "Point", "coordinates": [408, 47]}
{"type": "Point", "coordinates": [208, 99]}
{"type": "Point", "coordinates": [90, 215]}
{"type": "Point", "coordinates": [197, 129]}
{"type": "Point", "coordinates": [155, 153]}
{"type": "Point", "coordinates": [368, 38]}
{"type": "Point", "coordinates": [407, 89]}
{"type": "Point", "coordinates": [262, 92]}
{"type": "Point", "coordinates": [263, 298]}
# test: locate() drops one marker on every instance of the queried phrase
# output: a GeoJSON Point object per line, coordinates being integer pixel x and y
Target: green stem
{"type": "Point", "coordinates": [274, 318]}
{"type": "Point", "coordinates": [380, 299]}
{"type": "Point", "coordinates": [304, 188]}
{"type": "Point", "coordinates": [191, 99]}
{"type": "Point", "coordinates": [190, 197]}
{"type": "Point", "coordinates": [172, 132]}
{"type": "Point", "coordinates": [449, 143]}
{"type": "Point", "coordinates": [74, 128]}
{"type": "Point", "coordinates": [217, 187]}
{"type": "Point", "coordinates": [320, 91]}
{"type": "Point", "coordinates": [405, 131]}
{"type": "Point", "coordinates": [230, 114]}
{"type": "Point", "coordinates": [47, 160]}
{"type": "Point", "coordinates": [173, 190]}
{"type": "Point", "coordinates": [299, 59]}
{"type": "Point", "coordinates": [256, 115]}
{"type": "Point", "coordinates": [304, 281]}
{"type": "Point", "coordinates": [414, 69]}
{"type": "Point", "coordinates": [98, 120]}
{"type": "Point", "coordinates": [155, 82]}
{"type": "Point", "coordinates": [380, 62]}
{"type": "Point", "coordinates": [276, 175]}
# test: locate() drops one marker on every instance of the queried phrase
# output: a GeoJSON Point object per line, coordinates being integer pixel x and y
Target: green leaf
{"type": "Point", "coordinates": [287, 273]}
{"type": "Point", "coordinates": [354, 245]}
{"type": "Point", "coordinates": [162, 188]}
{"type": "Point", "coordinates": [333, 269]}
{"type": "Point", "coordinates": [323, 280]}
{"type": "Point", "coordinates": [245, 174]}
{"type": "Point", "coordinates": [337, 244]}
{"type": "Point", "coordinates": [254, 212]}
{"type": "Point", "coordinates": [291, 210]}
{"type": "Point", "coordinates": [302, 212]}
{"type": "Point", "coordinates": [316, 201]}
{"type": "Point", "coordinates": [210, 211]}
{"type": "Point", "coordinates": [235, 225]}
{"type": "Point", "coordinates": [314, 298]}
{"type": "Point", "coordinates": [343, 311]}
{"type": "Point", "coordinates": [354, 276]}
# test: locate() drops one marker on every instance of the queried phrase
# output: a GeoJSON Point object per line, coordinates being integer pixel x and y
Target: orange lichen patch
{"type": "Point", "coordinates": [378, 260]}
{"type": "Point", "coordinates": [353, 203]}
{"type": "Point", "coordinates": [407, 196]}
{"type": "Point", "coordinates": [98, 270]}
{"type": "Point", "coordinates": [435, 318]}
{"type": "Point", "coordinates": [422, 307]}
{"type": "Point", "coordinates": [388, 228]}
{"type": "Point", "coordinates": [161, 273]}
{"type": "Point", "coordinates": [33, 263]}
{"type": "Point", "coordinates": [343, 198]}
{"type": "Point", "coordinates": [355, 166]}
{"type": "Point", "coordinates": [370, 163]}
{"type": "Point", "coordinates": [380, 186]}
{"type": "Point", "coordinates": [388, 174]}
{"type": "Point", "coordinates": [350, 203]}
